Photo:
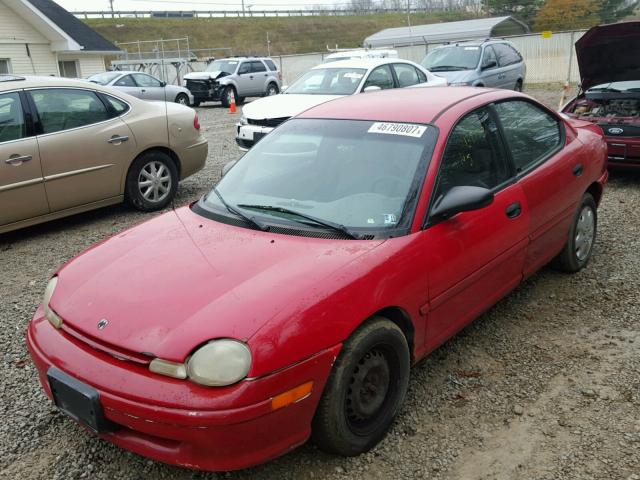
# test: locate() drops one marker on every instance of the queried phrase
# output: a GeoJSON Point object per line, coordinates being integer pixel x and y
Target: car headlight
{"type": "Point", "coordinates": [244, 121]}
{"type": "Point", "coordinates": [219, 363]}
{"type": "Point", "coordinates": [50, 315]}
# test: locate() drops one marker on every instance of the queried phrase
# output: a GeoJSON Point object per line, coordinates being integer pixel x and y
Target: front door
{"type": "Point", "coordinates": [476, 257]}
{"type": "Point", "coordinates": [22, 193]}
{"type": "Point", "coordinates": [150, 88]}
{"type": "Point", "coordinates": [245, 78]}
{"type": "Point", "coordinates": [83, 149]}
{"type": "Point", "coordinates": [490, 70]}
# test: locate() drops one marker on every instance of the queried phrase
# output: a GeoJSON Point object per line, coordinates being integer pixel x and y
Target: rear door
{"type": "Point", "coordinates": [509, 60]}
{"type": "Point", "coordinates": [151, 88]}
{"type": "Point", "coordinates": [128, 85]}
{"type": "Point", "coordinates": [85, 147]}
{"type": "Point", "coordinates": [476, 257]}
{"type": "Point", "coordinates": [548, 171]}
{"type": "Point", "coordinates": [22, 193]}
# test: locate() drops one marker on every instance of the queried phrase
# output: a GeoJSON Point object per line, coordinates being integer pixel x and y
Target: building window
{"type": "Point", "coordinates": [5, 66]}
{"type": "Point", "coordinates": [68, 68]}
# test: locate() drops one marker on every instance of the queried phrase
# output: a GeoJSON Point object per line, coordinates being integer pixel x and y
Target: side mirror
{"type": "Point", "coordinates": [461, 199]}
{"type": "Point", "coordinates": [228, 166]}
{"type": "Point", "coordinates": [371, 88]}
{"type": "Point", "coordinates": [489, 64]}
{"type": "Point", "coordinates": [163, 84]}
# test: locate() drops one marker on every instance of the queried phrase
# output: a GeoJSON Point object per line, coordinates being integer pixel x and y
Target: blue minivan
{"type": "Point", "coordinates": [491, 63]}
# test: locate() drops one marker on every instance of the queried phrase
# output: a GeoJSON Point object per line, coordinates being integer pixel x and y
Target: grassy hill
{"type": "Point", "coordinates": [249, 35]}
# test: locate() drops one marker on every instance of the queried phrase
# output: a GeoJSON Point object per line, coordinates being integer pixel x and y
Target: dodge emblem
{"type": "Point", "coordinates": [615, 131]}
{"type": "Point", "coordinates": [102, 324]}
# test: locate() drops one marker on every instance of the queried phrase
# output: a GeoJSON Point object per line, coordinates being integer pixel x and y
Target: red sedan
{"type": "Point", "coordinates": [291, 300]}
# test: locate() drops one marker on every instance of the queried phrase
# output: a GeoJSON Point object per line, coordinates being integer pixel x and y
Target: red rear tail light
{"type": "Point", "coordinates": [196, 122]}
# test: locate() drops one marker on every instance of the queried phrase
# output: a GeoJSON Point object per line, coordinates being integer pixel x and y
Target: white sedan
{"type": "Point", "coordinates": [327, 82]}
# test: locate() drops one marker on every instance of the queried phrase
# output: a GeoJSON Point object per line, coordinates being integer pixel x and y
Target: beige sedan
{"type": "Point", "coordinates": [67, 146]}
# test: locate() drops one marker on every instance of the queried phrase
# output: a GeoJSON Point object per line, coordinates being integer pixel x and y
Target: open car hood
{"type": "Point", "coordinates": [608, 53]}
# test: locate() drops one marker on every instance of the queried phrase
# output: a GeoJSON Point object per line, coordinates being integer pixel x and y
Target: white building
{"type": "Point", "coordinates": [39, 37]}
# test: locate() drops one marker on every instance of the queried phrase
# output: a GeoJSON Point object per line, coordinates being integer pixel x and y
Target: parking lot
{"type": "Point", "coordinates": [546, 385]}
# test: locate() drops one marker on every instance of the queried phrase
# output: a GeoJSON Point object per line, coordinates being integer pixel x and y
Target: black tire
{"type": "Point", "coordinates": [137, 195]}
{"type": "Point", "coordinates": [224, 96]}
{"type": "Point", "coordinates": [183, 99]}
{"type": "Point", "coordinates": [518, 87]}
{"type": "Point", "coordinates": [572, 259]}
{"type": "Point", "coordinates": [240, 100]}
{"type": "Point", "coordinates": [272, 89]}
{"type": "Point", "coordinates": [365, 390]}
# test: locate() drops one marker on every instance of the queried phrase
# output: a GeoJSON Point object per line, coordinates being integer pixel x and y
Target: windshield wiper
{"type": "Point", "coordinates": [238, 213]}
{"type": "Point", "coordinates": [325, 223]}
{"type": "Point", "coordinates": [442, 68]}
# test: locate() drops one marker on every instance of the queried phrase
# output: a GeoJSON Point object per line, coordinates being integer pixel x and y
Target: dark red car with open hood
{"type": "Point", "coordinates": [609, 61]}
{"type": "Point", "coordinates": [291, 300]}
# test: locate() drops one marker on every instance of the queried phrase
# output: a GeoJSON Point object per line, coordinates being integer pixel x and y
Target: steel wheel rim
{"type": "Point", "coordinates": [585, 229]}
{"type": "Point", "coordinates": [368, 394]}
{"type": "Point", "coordinates": [182, 100]}
{"type": "Point", "coordinates": [272, 90]}
{"type": "Point", "coordinates": [154, 181]}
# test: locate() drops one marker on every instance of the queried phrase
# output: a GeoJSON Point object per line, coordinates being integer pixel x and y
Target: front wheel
{"type": "Point", "coordinates": [366, 389]}
{"type": "Point", "coordinates": [152, 181]}
{"type": "Point", "coordinates": [182, 99]}
{"type": "Point", "coordinates": [225, 97]}
{"type": "Point", "coordinates": [577, 251]}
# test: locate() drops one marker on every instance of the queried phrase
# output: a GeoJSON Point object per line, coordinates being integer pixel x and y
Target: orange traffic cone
{"type": "Point", "coordinates": [232, 103]}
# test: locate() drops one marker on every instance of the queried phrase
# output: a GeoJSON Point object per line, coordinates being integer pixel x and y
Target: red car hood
{"type": "Point", "coordinates": [609, 53]}
{"type": "Point", "coordinates": [171, 283]}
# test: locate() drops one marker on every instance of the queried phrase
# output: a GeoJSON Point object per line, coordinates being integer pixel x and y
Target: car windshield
{"type": "Point", "coordinates": [628, 86]}
{"type": "Point", "coordinates": [104, 78]}
{"type": "Point", "coordinates": [359, 175]}
{"type": "Point", "coordinates": [226, 66]}
{"type": "Point", "coordinates": [452, 58]}
{"type": "Point", "coordinates": [328, 81]}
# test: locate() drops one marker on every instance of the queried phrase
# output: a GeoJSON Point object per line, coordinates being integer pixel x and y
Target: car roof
{"type": "Point", "coordinates": [408, 105]}
{"type": "Point", "coordinates": [367, 63]}
{"type": "Point", "coordinates": [33, 81]}
{"type": "Point", "coordinates": [475, 43]}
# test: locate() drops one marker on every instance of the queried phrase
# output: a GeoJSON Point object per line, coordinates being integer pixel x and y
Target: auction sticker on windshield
{"type": "Point", "coordinates": [406, 129]}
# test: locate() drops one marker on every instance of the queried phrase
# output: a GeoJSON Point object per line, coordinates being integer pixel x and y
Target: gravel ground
{"type": "Point", "coordinates": [543, 386]}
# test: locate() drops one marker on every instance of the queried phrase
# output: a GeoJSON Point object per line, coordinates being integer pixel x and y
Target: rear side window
{"type": "Point", "coordinates": [62, 109]}
{"type": "Point", "coordinates": [258, 67]}
{"type": "Point", "coordinates": [506, 54]}
{"type": "Point", "coordinates": [119, 107]}
{"type": "Point", "coordinates": [532, 134]}
{"type": "Point", "coordinates": [380, 77]}
{"type": "Point", "coordinates": [12, 125]}
{"type": "Point", "coordinates": [126, 81]}
{"type": "Point", "coordinates": [271, 65]}
{"type": "Point", "coordinates": [407, 74]}
{"type": "Point", "coordinates": [473, 155]}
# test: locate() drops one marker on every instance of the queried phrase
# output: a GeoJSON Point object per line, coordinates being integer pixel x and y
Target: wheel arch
{"type": "Point", "coordinates": [595, 189]}
{"type": "Point", "coordinates": [402, 319]}
{"type": "Point", "coordinates": [158, 148]}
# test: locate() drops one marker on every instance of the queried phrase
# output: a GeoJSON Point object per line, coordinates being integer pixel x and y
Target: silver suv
{"type": "Point", "coordinates": [491, 63]}
{"type": "Point", "coordinates": [242, 76]}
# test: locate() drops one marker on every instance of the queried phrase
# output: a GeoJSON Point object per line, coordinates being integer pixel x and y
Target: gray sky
{"type": "Point", "coordinates": [79, 5]}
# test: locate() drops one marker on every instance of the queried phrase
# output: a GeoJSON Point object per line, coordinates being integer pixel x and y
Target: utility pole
{"type": "Point", "coordinates": [243, 8]}
{"type": "Point", "coordinates": [111, 5]}
{"type": "Point", "coordinates": [268, 45]}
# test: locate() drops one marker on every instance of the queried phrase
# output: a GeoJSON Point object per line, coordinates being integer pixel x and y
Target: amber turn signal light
{"type": "Point", "coordinates": [291, 396]}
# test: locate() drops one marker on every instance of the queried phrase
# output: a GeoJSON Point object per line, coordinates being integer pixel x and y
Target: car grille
{"type": "Point", "coordinates": [268, 122]}
{"type": "Point", "coordinates": [621, 129]}
{"type": "Point", "coordinates": [196, 86]}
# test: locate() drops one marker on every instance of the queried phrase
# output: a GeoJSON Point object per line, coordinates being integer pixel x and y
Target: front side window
{"type": "Point", "coordinates": [12, 125]}
{"type": "Point", "coordinates": [244, 68]}
{"type": "Point", "coordinates": [359, 174]}
{"type": "Point", "coordinates": [490, 60]}
{"type": "Point", "coordinates": [531, 133]}
{"type": "Point", "coordinates": [446, 59]}
{"type": "Point", "coordinates": [473, 155]}
{"type": "Point", "coordinates": [380, 77]}
{"type": "Point", "coordinates": [328, 81]}
{"type": "Point", "coordinates": [68, 69]}
{"type": "Point", "coordinates": [407, 75]}
{"type": "Point", "coordinates": [62, 108]}
{"type": "Point", "coordinates": [146, 80]}
{"type": "Point", "coordinates": [126, 81]}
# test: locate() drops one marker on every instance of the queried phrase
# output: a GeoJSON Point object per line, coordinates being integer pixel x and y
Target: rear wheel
{"type": "Point", "coordinates": [272, 89]}
{"type": "Point", "coordinates": [518, 87]}
{"type": "Point", "coordinates": [182, 99]}
{"type": "Point", "coordinates": [225, 97]}
{"type": "Point", "coordinates": [577, 251]}
{"type": "Point", "coordinates": [366, 389]}
{"type": "Point", "coordinates": [152, 181]}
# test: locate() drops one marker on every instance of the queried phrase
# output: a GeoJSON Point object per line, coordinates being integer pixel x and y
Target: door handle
{"type": "Point", "coordinates": [514, 210]}
{"type": "Point", "coordinates": [17, 160]}
{"type": "Point", "coordinates": [577, 170]}
{"type": "Point", "coordinates": [250, 77]}
{"type": "Point", "coordinates": [142, 90]}
{"type": "Point", "coordinates": [118, 139]}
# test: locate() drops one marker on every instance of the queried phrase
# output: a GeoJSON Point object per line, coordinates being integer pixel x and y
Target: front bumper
{"type": "Point", "coordinates": [177, 421]}
{"type": "Point", "coordinates": [248, 135]}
